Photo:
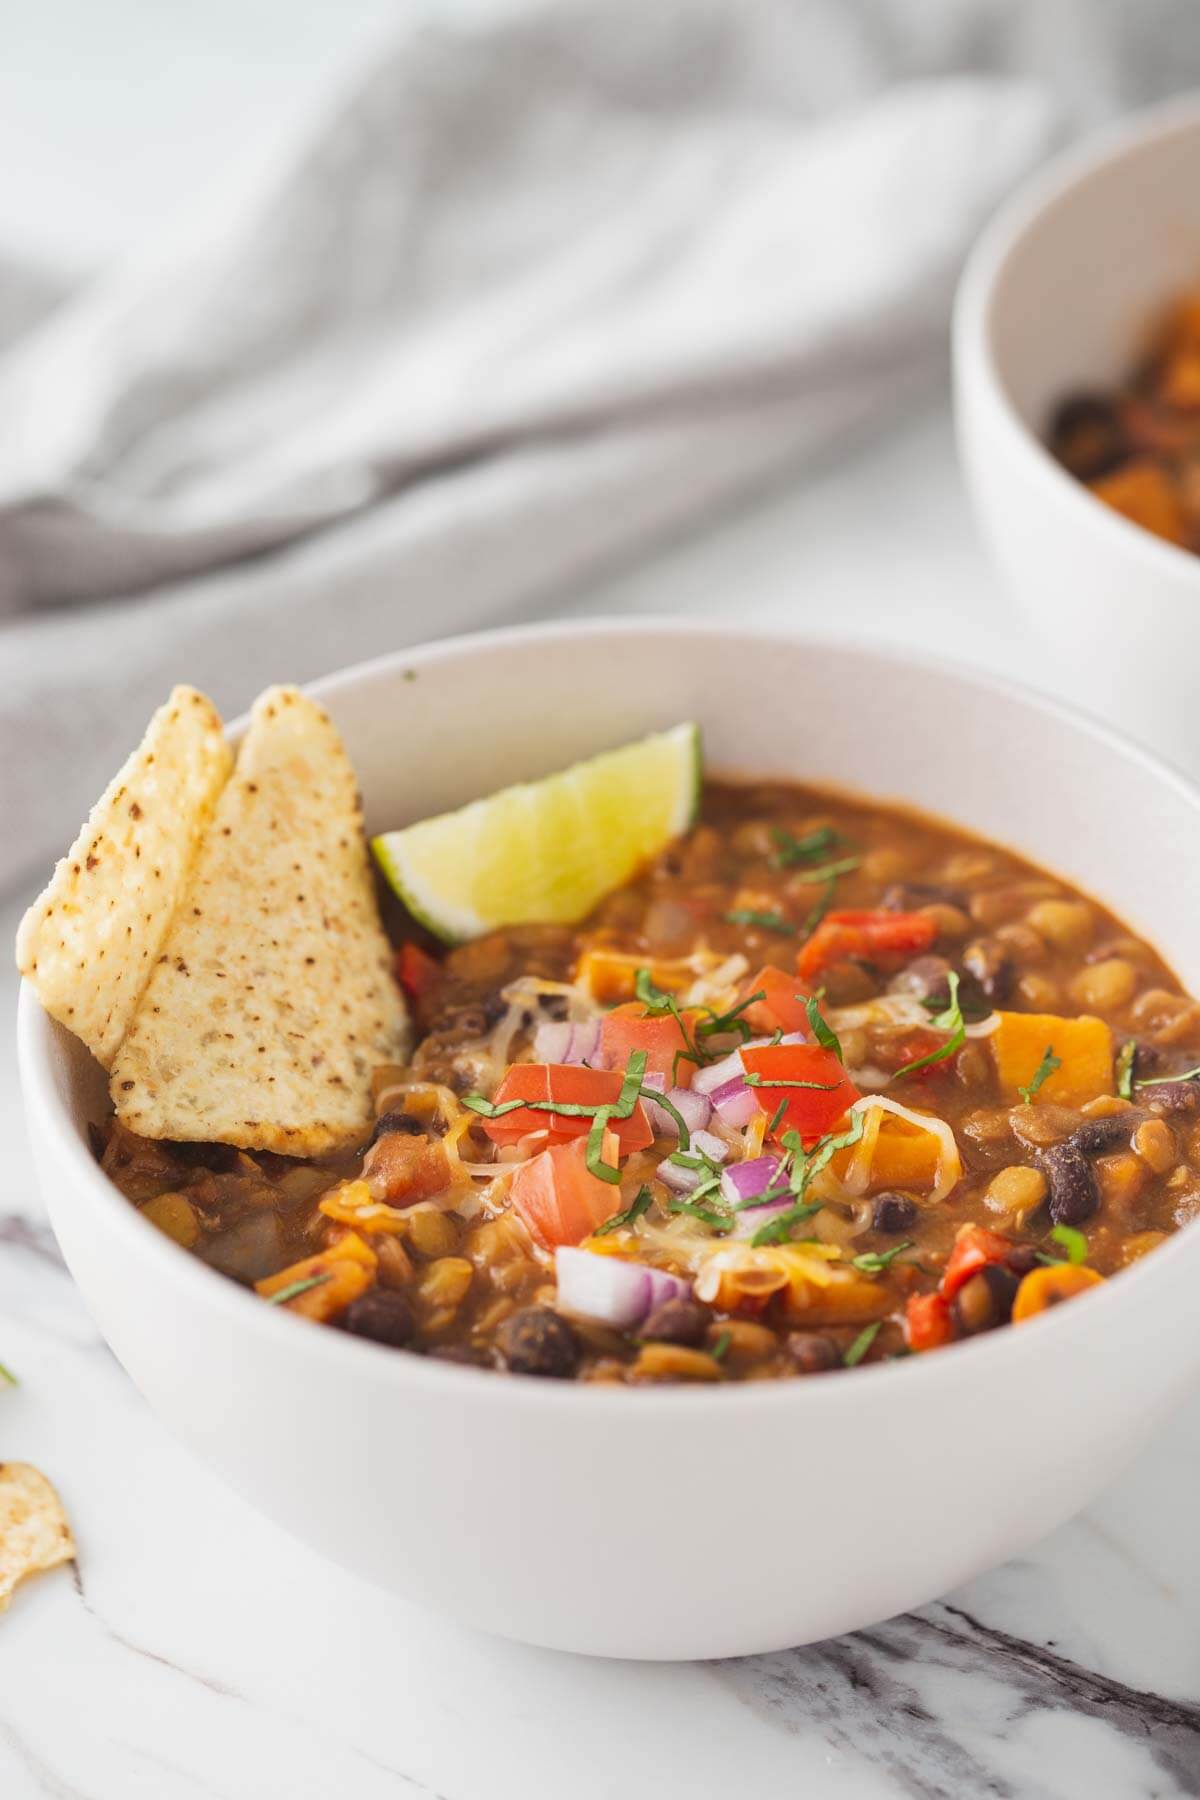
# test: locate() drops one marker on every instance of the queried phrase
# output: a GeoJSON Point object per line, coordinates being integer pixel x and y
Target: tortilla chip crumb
{"type": "Point", "coordinates": [34, 1533]}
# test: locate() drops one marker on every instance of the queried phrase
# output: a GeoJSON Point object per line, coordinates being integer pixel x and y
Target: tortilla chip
{"type": "Point", "coordinates": [87, 946]}
{"type": "Point", "coordinates": [34, 1533]}
{"type": "Point", "coordinates": [272, 999]}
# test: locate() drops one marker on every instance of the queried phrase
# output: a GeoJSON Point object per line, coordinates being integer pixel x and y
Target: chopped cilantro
{"type": "Point", "coordinates": [294, 1288]}
{"type": "Point", "coordinates": [720, 1349]}
{"type": "Point", "coordinates": [861, 1344]}
{"type": "Point", "coordinates": [831, 871]}
{"type": "Point", "coordinates": [1042, 1073]}
{"type": "Point", "coordinates": [791, 850]}
{"type": "Point", "coordinates": [777, 1081]}
{"type": "Point", "coordinates": [825, 1036]}
{"type": "Point", "coordinates": [633, 1212]}
{"type": "Point", "coordinates": [1125, 1059]}
{"type": "Point", "coordinates": [952, 1021]}
{"type": "Point", "coordinates": [874, 1262]}
{"type": "Point", "coordinates": [766, 921]}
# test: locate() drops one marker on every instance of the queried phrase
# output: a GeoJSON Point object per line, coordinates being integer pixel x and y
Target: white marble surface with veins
{"type": "Point", "coordinates": [201, 1655]}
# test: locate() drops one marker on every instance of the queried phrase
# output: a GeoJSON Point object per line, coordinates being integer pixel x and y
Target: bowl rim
{"type": "Point", "coordinates": [972, 329]}
{"type": "Point", "coordinates": [47, 1116]}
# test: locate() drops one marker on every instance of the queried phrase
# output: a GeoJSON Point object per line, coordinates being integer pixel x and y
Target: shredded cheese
{"type": "Point", "coordinates": [858, 1172]}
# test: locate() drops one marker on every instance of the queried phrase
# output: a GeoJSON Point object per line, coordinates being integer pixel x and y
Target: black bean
{"type": "Point", "coordinates": [677, 1322]}
{"type": "Point", "coordinates": [383, 1315]}
{"type": "Point", "coordinates": [812, 1352]}
{"type": "Point", "coordinates": [908, 896]}
{"type": "Point", "coordinates": [537, 1341]}
{"type": "Point", "coordinates": [926, 977]}
{"type": "Point", "coordinates": [1171, 1096]}
{"type": "Point", "coordinates": [986, 1300]}
{"type": "Point", "coordinates": [1088, 436]}
{"type": "Point", "coordinates": [1097, 1135]}
{"type": "Point", "coordinates": [894, 1213]}
{"type": "Point", "coordinates": [992, 968]}
{"type": "Point", "coordinates": [395, 1121]}
{"type": "Point", "coordinates": [1074, 1195]}
{"type": "Point", "coordinates": [1022, 1259]}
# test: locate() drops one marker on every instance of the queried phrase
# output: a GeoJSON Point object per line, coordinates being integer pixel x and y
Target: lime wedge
{"type": "Point", "coordinates": [546, 851]}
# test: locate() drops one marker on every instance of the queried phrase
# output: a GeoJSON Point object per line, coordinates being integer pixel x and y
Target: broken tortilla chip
{"type": "Point", "coordinates": [271, 1000]}
{"type": "Point", "coordinates": [88, 944]}
{"type": "Point", "coordinates": [34, 1533]}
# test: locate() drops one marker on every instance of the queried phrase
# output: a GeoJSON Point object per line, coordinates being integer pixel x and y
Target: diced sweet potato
{"type": "Point", "coordinates": [1083, 1047]}
{"type": "Point", "coordinates": [1145, 493]}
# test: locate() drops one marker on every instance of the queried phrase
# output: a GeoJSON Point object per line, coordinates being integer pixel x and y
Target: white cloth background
{"type": "Point", "coordinates": [539, 288]}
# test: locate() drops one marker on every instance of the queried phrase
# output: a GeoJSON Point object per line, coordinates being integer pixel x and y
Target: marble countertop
{"type": "Point", "coordinates": [196, 1651]}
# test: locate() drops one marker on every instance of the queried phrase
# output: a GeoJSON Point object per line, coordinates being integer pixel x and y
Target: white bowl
{"type": "Point", "coordinates": [672, 1522]}
{"type": "Point", "coordinates": [1058, 295]}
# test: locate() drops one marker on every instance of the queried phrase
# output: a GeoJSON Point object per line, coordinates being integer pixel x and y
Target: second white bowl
{"type": "Point", "coordinates": [1057, 297]}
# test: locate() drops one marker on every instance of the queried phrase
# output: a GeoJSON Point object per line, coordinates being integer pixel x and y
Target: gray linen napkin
{"type": "Point", "coordinates": [541, 287]}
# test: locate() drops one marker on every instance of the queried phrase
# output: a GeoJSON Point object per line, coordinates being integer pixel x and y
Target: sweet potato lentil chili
{"type": "Point", "coordinates": [793, 957]}
{"type": "Point", "coordinates": [1137, 447]}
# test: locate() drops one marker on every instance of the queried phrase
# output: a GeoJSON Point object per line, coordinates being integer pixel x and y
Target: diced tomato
{"type": "Point", "coordinates": [809, 1110]}
{"type": "Point", "coordinates": [782, 1005]}
{"type": "Point", "coordinates": [628, 1028]}
{"type": "Point", "coordinates": [867, 934]}
{"type": "Point", "coordinates": [927, 1322]}
{"type": "Point", "coordinates": [403, 1169]}
{"type": "Point", "coordinates": [559, 1198]}
{"type": "Point", "coordinates": [416, 972]}
{"type": "Point", "coordinates": [572, 1085]}
{"type": "Point", "coordinates": [974, 1248]}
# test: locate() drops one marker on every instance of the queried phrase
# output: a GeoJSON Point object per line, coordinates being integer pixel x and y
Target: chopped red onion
{"type": "Point", "coordinates": [694, 1109]}
{"type": "Point", "coordinates": [734, 1103]}
{"type": "Point", "coordinates": [705, 1144]}
{"type": "Point", "coordinates": [743, 1180]}
{"type": "Point", "coordinates": [566, 1042]}
{"type": "Point", "coordinates": [611, 1290]}
{"type": "Point", "coordinates": [755, 1217]}
{"type": "Point", "coordinates": [728, 1069]}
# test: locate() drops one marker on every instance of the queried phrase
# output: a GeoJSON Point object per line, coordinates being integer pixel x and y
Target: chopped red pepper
{"type": "Point", "coordinates": [570, 1084]}
{"type": "Point", "coordinates": [809, 1110]}
{"type": "Point", "coordinates": [782, 1007]}
{"type": "Point", "coordinates": [927, 1322]}
{"type": "Point", "coordinates": [974, 1248]}
{"type": "Point", "coordinates": [416, 972]}
{"type": "Point", "coordinates": [866, 934]}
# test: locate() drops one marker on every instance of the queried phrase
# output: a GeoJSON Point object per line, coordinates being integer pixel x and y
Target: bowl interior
{"type": "Point", "coordinates": [440, 726]}
{"type": "Point", "coordinates": [1091, 255]}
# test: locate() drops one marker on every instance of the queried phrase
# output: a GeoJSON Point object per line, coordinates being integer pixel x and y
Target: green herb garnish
{"type": "Point", "coordinates": [7, 1378]}
{"type": "Point", "coordinates": [831, 871]}
{"type": "Point", "coordinates": [790, 850]}
{"type": "Point", "coordinates": [1125, 1069]}
{"type": "Point", "coordinates": [1155, 1080]}
{"type": "Point", "coordinates": [1042, 1073]}
{"type": "Point", "coordinates": [774, 1081]}
{"type": "Point", "coordinates": [778, 1229]}
{"type": "Point", "coordinates": [717, 1023]}
{"type": "Point", "coordinates": [952, 1021]}
{"type": "Point", "coordinates": [861, 1344]}
{"type": "Point", "coordinates": [641, 1203]}
{"type": "Point", "coordinates": [707, 1216]}
{"type": "Point", "coordinates": [767, 921]}
{"type": "Point", "coordinates": [825, 1036]}
{"type": "Point", "coordinates": [720, 1349]}
{"type": "Point", "coordinates": [874, 1262]}
{"type": "Point", "coordinates": [298, 1287]}
{"type": "Point", "coordinates": [777, 1118]}
{"type": "Point", "coordinates": [1073, 1242]}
